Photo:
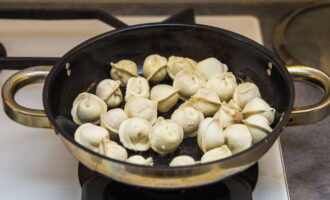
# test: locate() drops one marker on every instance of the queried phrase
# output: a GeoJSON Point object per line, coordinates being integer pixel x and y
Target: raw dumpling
{"type": "Point", "coordinates": [238, 137]}
{"type": "Point", "coordinates": [137, 86]}
{"type": "Point", "coordinates": [216, 154]}
{"type": "Point", "coordinates": [210, 67]}
{"type": "Point", "coordinates": [123, 70]}
{"type": "Point", "coordinates": [90, 135]}
{"type": "Point", "coordinates": [134, 134]}
{"type": "Point", "coordinates": [139, 160]}
{"type": "Point", "coordinates": [112, 150]}
{"type": "Point", "coordinates": [154, 68]}
{"type": "Point", "coordinates": [165, 136]}
{"type": "Point", "coordinates": [188, 117]}
{"type": "Point", "coordinates": [141, 107]}
{"type": "Point", "coordinates": [258, 126]}
{"type": "Point", "coordinates": [261, 107]}
{"type": "Point", "coordinates": [182, 161]}
{"type": "Point", "coordinates": [228, 115]}
{"type": "Point", "coordinates": [176, 64]}
{"type": "Point", "coordinates": [223, 84]}
{"type": "Point", "coordinates": [165, 95]}
{"type": "Point", "coordinates": [88, 108]}
{"type": "Point", "coordinates": [112, 120]}
{"type": "Point", "coordinates": [188, 82]}
{"type": "Point", "coordinates": [207, 101]}
{"type": "Point", "coordinates": [109, 91]}
{"type": "Point", "coordinates": [210, 134]}
{"type": "Point", "coordinates": [245, 92]}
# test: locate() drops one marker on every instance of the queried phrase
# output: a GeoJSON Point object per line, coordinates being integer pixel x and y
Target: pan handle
{"type": "Point", "coordinates": [23, 115]}
{"type": "Point", "coordinates": [319, 110]}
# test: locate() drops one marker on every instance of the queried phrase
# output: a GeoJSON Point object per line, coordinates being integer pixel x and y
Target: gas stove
{"type": "Point", "coordinates": [36, 165]}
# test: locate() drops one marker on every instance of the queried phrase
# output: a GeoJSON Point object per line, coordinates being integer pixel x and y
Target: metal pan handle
{"type": "Point", "coordinates": [315, 112]}
{"type": "Point", "coordinates": [23, 115]}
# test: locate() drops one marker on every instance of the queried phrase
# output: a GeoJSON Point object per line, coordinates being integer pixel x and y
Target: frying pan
{"type": "Point", "coordinates": [84, 66]}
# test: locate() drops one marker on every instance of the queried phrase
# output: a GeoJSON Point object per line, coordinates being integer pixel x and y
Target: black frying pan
{"type": "Point", "coordinates": [89, 64]}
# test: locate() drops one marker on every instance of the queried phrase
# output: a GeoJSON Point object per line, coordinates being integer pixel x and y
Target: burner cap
{"type": "Point", "coordinates": [303, 37]}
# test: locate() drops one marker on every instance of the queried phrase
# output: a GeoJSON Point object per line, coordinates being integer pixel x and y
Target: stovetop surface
{"type": "Point", "coordinates": [36, 160]}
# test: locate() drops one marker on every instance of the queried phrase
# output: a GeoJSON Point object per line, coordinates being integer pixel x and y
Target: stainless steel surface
{"type": "Point", "coordinates": [18, 113]}
{"type": "Point", "coordinates": [319, 110]}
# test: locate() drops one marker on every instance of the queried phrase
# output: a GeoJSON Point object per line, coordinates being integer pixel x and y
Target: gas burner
{"type": "Point", "coordinates": [97, 187]}
{"type": "Point", "coordinates": [303, 37]}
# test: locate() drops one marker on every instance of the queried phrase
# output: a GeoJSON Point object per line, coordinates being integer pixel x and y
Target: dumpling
{"type": "Point", "coordinates": [109, 91]}
{"type": "Point", "coordinates": [123, 70]}
{"type": "Point", "coordinates": [134, 134]}
{"type": "Point", "coordinates": [223, 84]}
{"type": "Point", "coordinates": [112, 120]}
{"type": "Point", "coordinates": [88, 108]}
{"type": "Point", "coordinates": [188, 82]}
{"type": "Point", "coordinates": [261, 107]}
{"type": "Point", "coordinates": [210, 134]}
{"type": "Point", "coordinates": [238, 137]}
{"type": "Point", "coordinates": [165, 95]}
{"type": "Point", "coordinates": [90, 135]}
{"type": "Point", "coordinates": [188, 117]}
{"type": "Point", "coordinates": [154, 68]}
{"type": "Point", "coordinates": [176, 64]}
{"type": "Point", "coordinates": [137, 86]}
{"type": "Point", "coordinates": [112, 150]}
{"type": "Point", "coordinates": [139, 160]}
{"type": "Point", "coordinates": [165, 136]}
{"type": "Point", "coordinates": [210, 67]}
{"type": "Point", "coordinates": [141, 107]}
{"type": "Point", "coordinates": [207, 101]}
{"type": "Point", "coordinates": [182, 161]}
{"type": "Point", "coordinates": [258, 127]}
{"type": "Point", "coordinates": [216, 154]}
{"type": "Point", "coordinates": [228, 115]}
{"type": "Point", "coordinates": [245, 92]}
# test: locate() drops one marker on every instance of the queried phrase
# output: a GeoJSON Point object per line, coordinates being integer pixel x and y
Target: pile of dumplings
{"type": "Point", "coordinates": [226, 116]}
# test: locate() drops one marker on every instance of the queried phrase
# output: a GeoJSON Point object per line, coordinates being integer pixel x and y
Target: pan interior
{"type": "Point", "coordinates": [89, 64]}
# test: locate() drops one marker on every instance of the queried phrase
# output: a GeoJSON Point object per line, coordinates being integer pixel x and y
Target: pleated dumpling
{"type": "Point", "coordinates": [141, 107]}
{"type": "Point", "coordinates": [123, 70]}
{"type": "Point", "coordinates": [210, 67]}
{"type": "Point", "coordinates": [238, 137]}
{"type": "Point", "coordinates": [112, 120]}
{"type": "Point", "coordinates": [228, 115]}
{"type": "Point", "coordinates": [109, 91]}
{"type": "Point", "coordinates": [182, 160]}
{"type": "Point", "coordinates": [244, 93]}
{"type": "Point", "coordinates": [216, 154]}
{"type": "Point", "coordinates": [87, 108]}
{"type": "Point", "coordinates": [165, 136]}
{"type": "Point", "coordinates": [189, 117]}
{"type": "Point", "coordinates": [112, 150]}
{"type": "Point", "coordinates": [210, 134]}
{"type": "Point", "coordinates": [90, 136]}
{"type": "Point", "coordinates": [187, 82]}
{"type": "Point", "coordinates": [134, 134]}
{"type": "Point", "coordinates": [207, 101]}
{"type": "Point", "coordinates": [165, 95]}
{"type": "Point", "coordinates": [154, 68]}
{"type": "Point", "coordinates": [258, 127]}
{"type": "Point", "coordinates": [139, 160]}
{"type": "Point", "coordinates": [137, 86]}
{"type": "Point", "coordinates": [176, 64]}
{"type": "Point", "coordinates": [223, 84]}
{"type": "Point", "coordinates": [261, 107]}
